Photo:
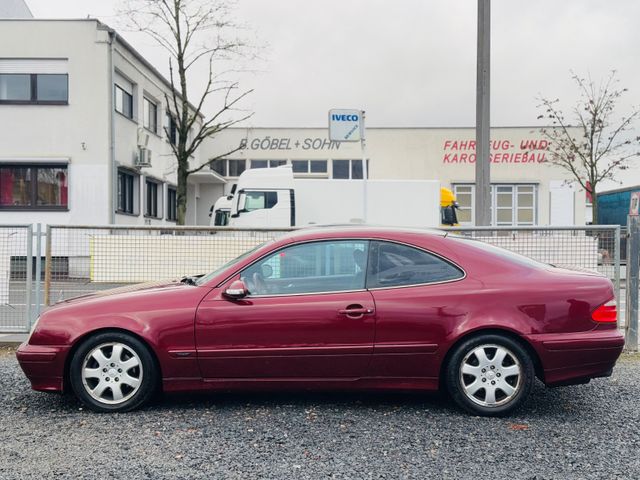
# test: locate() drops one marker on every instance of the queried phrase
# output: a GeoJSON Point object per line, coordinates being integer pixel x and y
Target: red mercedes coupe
{"type": "Point", "coordinates": [336, 308]}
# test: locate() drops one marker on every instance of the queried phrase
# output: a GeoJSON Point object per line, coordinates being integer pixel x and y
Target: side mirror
{"type": "Point", "coordinates": [236, 290]}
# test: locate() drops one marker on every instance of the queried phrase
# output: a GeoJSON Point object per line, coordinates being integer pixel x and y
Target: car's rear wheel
{"type": "Point", "coordinates": [113, 372]}
{"type": "Point", "coordinates": [490, 375]}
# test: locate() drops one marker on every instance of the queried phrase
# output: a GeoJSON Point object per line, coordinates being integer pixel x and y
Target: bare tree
{"type": "Point", "coordinates": [604, 145]}
{"type": "Point", "coordinates": [193, 32]}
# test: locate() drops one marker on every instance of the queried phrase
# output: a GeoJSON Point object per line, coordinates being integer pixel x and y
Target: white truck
{"type": "Point", "coordinates": [272, 198]}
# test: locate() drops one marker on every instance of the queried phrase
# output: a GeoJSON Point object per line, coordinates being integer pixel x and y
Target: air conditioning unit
{"type": "Point", "coordinates": [143, 138]}
{"type": "Point", "coordinates": [143, 158]}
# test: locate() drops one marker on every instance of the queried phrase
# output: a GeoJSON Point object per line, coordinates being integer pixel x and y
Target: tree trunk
{"type": "Point", "coordinates": [181, 193]}
{"type": "Point", "coordinates": [594, 206]}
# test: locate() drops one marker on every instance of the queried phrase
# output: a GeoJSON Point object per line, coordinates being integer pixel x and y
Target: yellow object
{"type": "Point", "coordinates": [448, 205]}
{"type": "Point", "coordinates": [447, 197]}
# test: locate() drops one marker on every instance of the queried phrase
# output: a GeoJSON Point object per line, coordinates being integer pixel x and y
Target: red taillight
{"type": "Point", "coordinates": [606, 313]}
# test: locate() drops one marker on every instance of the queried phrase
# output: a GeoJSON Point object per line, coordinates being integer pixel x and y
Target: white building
{"type": "Point", "coordinates": [83, 139]}
{"type": "Point", "coordinates": [526, 189]}
{"type": "Point", "coordinates": [78, 103]}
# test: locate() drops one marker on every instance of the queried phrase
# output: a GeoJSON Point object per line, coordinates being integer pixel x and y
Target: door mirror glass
{"type": "Point", "coordinates": [237, 289]}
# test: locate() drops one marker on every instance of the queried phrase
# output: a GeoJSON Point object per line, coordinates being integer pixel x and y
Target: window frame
{"type": "Point", "coordinates": [153, 105]}
{"type": "Point", "coordinates": [172, 210]}
{"type": "Point", "coordinates": [157, 202]}
{"type": "Point", "coordinates": [125, 95]}
{"type": "Point", "coordinates": [515, 202]}
{"type": "Point", "coordinates": [237, 274]}
{"type": "Point", "coordinates": [350, 162]}
{"type": "Point", "coordinates": [422, 249]}
{"type": "Point", "coordinates": [33, 88]}
{"type": "Point", "coordinates": [308, 173]}
{"type": "Point", "coordinates": [33, 189]}
{"type": "Point", "coordinates": [135, 179]}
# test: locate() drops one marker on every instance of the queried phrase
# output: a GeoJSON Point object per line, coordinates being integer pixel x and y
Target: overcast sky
{"type": "Point", "coordinates": [412, 62]}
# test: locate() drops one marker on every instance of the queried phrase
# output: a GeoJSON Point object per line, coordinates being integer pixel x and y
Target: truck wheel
{"type": "Point", "coordinates": [489, 375]}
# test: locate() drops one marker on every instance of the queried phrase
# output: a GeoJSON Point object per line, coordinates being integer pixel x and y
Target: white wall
{"type": "Point", "coordinates": [77, 132]}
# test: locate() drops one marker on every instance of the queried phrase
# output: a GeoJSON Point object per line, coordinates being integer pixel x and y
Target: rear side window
{"type": "Point", "coordinates": [394, 265]}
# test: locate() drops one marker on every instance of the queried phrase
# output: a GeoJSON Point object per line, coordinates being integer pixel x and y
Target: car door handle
{"type": "Point", "coordinates": [356, 311]}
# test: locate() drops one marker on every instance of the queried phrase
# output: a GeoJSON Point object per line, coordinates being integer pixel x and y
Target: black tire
{"type": "Point", "coordinates": [516, 359]}
{"type": "Point", "coordinates": [146, 374]}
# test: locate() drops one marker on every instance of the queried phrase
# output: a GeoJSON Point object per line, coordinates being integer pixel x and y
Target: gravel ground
{"type": "Point", "coordinates": [589, 431]}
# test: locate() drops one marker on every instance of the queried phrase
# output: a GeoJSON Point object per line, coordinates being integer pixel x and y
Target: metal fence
{"type": "Point", "coordinates": [16, 269]}
{"type": "Point", "coordinates": [84, 259]}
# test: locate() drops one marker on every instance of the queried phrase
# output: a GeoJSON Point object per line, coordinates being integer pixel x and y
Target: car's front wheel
{"type": "Point", "coordinates": [113, 372]}
{"type": "Point", "coordinates": [489, 375]}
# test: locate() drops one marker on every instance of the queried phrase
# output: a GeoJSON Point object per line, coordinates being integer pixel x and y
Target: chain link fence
{"type": "Point", "coordinates": [81, 260]}
{"type": "Point", "coordinates": [84, 259]}
{"type": "Point", "coordinates": [16, 270]}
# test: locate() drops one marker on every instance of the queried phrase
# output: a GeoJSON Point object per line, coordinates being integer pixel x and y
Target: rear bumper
{"type": "Point", "coordinates": [571, 358]}
{"type": "Point", "coordinates": [43, 366]}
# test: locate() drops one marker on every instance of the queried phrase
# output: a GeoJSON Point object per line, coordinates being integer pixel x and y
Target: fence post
{"type": "Point", "coordinates": [633, 265]}
{"type": "Point", "coordinates": [28, 274]}
{"type": "Point", "coordinates": [616, 266]}
{"type": "Point", "coordinates": [38, 269]}
{"type": "Point", "coordinates": [47, 268]}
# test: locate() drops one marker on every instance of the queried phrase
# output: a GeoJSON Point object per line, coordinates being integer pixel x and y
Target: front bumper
{"type": "Point", "coordinates": [570, 358]}
{"type": "Point", "coordinates": [43, 366]}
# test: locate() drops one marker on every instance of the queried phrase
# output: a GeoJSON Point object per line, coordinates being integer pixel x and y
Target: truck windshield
{"type": "Point", "coordinates": [204, 279]}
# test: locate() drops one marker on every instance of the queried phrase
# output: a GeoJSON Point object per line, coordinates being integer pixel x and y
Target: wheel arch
{"type": "Point", "coordinates": [535, 358]}
{"type": "Point", "coordinates": [81, 339]}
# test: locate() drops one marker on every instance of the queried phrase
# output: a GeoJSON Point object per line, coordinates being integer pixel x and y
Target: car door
{"type": "Point", "coordinates": [307, 315]}
{"type": "Point", "coordinates": [416, 297]}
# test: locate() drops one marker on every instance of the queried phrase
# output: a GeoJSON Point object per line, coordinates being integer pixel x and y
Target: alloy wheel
{"type": "Point", "coordinates": [490, 375]}
{"type": "Point", "coordinates": [112, 373]}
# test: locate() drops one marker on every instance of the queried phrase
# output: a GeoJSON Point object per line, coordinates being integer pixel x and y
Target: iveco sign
{"type": "Point", "coordinates": [346, 125]}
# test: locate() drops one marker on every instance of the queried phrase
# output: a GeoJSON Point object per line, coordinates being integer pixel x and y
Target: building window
{"type": "Point", "coordinates": [219, 166]}
{"type": "Point", "coordinates": [171, 128]}
{"type": "Point", "coordinates": [313, 167]}
{"type": "Point", "coordinates": [464, 197]}
{"type": "Point", "coordinates": [34, 88]}
{"type": "Point", "coordinates": [172, 204]}
{"type": "Point", "coordinates": [347, 169]}
{"type": "Point", "coordinates": [267, 163]}
{"type": "Point", "coordinates": [150, 114]}
{"type": "Point", "coordinates": [127, 183]}
{"type": "Point", "coordinates": [123, 102]}
{"type": "Point", "coordinates": [510, 204]}
{"type": "Point", "coordinates": [236, 167]}
{"type": "Point", "coordinates": [259, 163]}
{"type": "Point", "coordinates": [153, 198]}
{"type": "Point", "coordinates": [33, 187]}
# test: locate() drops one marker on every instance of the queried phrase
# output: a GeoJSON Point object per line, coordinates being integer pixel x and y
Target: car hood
{"type": "Point", "coordinates": [125, 290]}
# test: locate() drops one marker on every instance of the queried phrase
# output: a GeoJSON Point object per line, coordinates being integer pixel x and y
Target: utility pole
{"type": "Point", "coordinates": [483, 179]}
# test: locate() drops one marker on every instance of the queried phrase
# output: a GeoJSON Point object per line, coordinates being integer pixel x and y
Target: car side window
{"type": "Point", "coordinates": [315, 267]}
{"type": "Point", "coordinates": [394, 265]}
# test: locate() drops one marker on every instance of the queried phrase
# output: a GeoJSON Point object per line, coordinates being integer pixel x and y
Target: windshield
{"type": "Point", "coordinates": [501, 252]}
{"type": "Point", "coordinates": [204, 279]}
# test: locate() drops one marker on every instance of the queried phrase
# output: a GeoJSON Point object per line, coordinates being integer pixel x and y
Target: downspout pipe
{"type": "Point", "coordinates": [113, 169]}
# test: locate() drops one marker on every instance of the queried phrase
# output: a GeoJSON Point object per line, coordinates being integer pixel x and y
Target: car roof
{"type": "Point", "coordinates": [358, 231]}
